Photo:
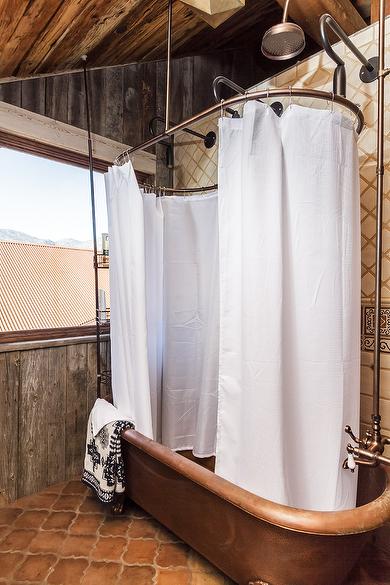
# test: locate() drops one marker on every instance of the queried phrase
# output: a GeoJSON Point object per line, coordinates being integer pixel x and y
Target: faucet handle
{"type": "Point", "coordinates": [349, 432]}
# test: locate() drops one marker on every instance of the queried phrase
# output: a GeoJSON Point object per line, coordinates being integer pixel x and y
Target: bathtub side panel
{"type": "Point", "coordinates": [239, 544]}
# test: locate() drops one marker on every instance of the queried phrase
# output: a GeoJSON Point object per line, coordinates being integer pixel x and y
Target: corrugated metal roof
{"type": "Point", "coordinates": [46, 286]}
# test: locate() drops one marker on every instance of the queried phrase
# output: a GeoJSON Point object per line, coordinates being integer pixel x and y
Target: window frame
{"type": "Point", "coordinates": [39, 135]}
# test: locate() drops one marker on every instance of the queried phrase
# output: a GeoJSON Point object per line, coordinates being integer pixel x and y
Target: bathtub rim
{"type": "Point", "coordinates": [358, 520]}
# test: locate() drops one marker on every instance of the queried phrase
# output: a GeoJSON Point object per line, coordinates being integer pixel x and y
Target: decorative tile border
{"type": "Point", "coordinates": [368, 324]}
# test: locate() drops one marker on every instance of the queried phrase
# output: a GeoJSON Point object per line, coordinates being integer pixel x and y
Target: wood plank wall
{"type": "Point", "coordinates": [124, 99]}
{"type": "Point", "coordinates": [46, 394]}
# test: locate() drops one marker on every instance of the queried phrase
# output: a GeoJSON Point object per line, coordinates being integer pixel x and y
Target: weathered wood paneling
{"type": "Point", "coordinates": [9, 425]}
{"type": "Point", "coordinates": [124, 99]}
{"type": "Point", "coordinates": [46, 395]}
{"type": "Point", "coordinates": [33, 397]}
{"type": "Point", "coordinates": [56, 407]}
{"type": "Point", "coordinates": [76, 406]}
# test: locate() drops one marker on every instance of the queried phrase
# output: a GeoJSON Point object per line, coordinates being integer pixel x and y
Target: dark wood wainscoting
{"type": "Point", "coordinates": [46, 393]}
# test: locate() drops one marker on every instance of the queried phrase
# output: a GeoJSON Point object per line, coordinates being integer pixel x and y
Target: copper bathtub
{"type": "Point", "coordinates": [250, 539]}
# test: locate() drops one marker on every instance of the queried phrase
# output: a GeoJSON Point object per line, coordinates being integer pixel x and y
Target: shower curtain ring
{"type": "Point", "coordinates": [332, 101]}
{"type": "Point", "coordinates": [290, 101]}
{"type": "Point", "coordinates": [267, 93]}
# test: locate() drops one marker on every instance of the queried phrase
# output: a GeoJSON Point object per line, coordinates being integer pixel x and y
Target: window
{"type": "Point", "coordinates": [46, 257]}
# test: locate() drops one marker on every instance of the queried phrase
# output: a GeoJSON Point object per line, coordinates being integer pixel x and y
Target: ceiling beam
{"type": "Point", "coordinates": [307, 13]}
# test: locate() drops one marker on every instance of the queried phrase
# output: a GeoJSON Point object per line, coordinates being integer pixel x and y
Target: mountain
{"type": "Point", "coordinates": [15, 236]}
{"type": "Point", "coordinates": [71, 243]}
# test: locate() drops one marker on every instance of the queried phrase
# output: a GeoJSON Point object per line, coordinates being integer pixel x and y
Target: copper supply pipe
{"type": "Point", "coordinates": [379, 214]}
{"type": "Point", "coordinates": [371, 447]}
{"type": "Point", "coordinates": [249, 96]}
{"type": "Point", "coordinates": [169, 58]}
{"type": "Point", "coordinates": [93, 212]}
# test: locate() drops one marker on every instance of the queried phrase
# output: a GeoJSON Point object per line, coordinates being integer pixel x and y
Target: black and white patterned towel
{"type": "Point", "coordinates": [103, 464]}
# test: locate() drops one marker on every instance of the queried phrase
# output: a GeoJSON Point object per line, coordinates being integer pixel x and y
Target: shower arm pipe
{"type": "Point", "coordinates": [285, 11]}
{"type": "Point", "coordinates": [249, 96]}
{"type": "Point", "coordinates": [339, 78]}
{"type": "Point", "coordinates": [93, 213]}
{"type": "Point", "coordinates": [187, 130]}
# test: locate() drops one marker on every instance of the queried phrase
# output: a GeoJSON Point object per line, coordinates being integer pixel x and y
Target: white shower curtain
{"type": "Point", "coordinates": [289, 230]}
{"type": "Point", "coordinates": [191, 323]}
{"type": "Point", "coordinates": [164, 312]}
{"type": "Point", "coordinates": [134, 356]}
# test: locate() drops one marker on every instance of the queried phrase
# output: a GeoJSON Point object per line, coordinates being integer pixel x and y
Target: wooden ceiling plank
{"type": "Point", "coordinates": [52, 36]}
{"type": "Point", "coordinates": [99, 21]}
{"type": "Point", "coordinates": [75, 30]}
{"type": "Point", "coordinates": [11, 11]}
{"type": "Point", "coordinates": [307, 13]}
{"type": "Point", "coordinates": [145, 32]}
{"type": "Point", "coordinates": [35, 18]}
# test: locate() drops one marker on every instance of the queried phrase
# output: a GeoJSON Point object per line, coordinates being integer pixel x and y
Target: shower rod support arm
{"type": "Point", "coordinates": [209, 139]}
{"type": "Point", "coordinates": [222, 80]}
{"type": "Point", "coordinates": [369, 69]}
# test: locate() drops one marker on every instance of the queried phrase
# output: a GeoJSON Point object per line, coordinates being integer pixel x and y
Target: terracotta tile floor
{"type": "Point", "coordinates": [63, 536]}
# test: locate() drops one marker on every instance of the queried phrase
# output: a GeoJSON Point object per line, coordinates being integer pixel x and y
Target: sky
{"type": "Point", "coordinates": [48, 199]}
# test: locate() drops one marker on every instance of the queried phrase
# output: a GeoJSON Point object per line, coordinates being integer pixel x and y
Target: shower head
{"type": "Point", "coordinates": [284, 40]}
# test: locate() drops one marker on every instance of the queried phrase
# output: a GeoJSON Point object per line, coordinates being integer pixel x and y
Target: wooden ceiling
{"type": "Point", "coordinates": [45, 36]}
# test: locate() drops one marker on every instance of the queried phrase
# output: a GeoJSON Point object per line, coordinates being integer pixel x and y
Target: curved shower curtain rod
{"type": "Point", "coordinates": [157, 190]}
{"type": "Point", "coordinates": [248, 96]}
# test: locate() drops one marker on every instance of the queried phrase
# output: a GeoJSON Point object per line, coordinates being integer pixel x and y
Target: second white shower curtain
{"type": "Point", "coordinates": [164, 313]}
{"type": "Point", "coordinates": [289, 229]}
